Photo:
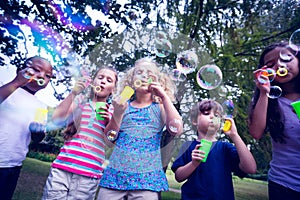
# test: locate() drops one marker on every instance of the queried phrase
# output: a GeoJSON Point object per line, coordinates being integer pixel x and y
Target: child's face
{"type": "Point", "coordinates": [106, 79]}
{"type": "Point", "coordinates": [208, 121]}
{"type": "Point", "coordinates": [143, 74]}
{"type": "Point", "coordinates": [292, 64]}
{"type": "Point", "coordinates": [42, 72]}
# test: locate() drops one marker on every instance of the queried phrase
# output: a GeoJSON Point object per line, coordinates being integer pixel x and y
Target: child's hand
{"type": "Point", "coordinates": [156, 89]}
{"type": "Point", "coordinates": [233, 130]}
{"type": "Point", "coordinates": [265, 86]}
{"type": "Point", "coordinates": [24, 76]}
{"type": "Point", "coordinates": [119, 107]}
{"type": "Point", "coordinates": [81, 84]}
{"type": "Point", "coordinates": [197, 155]}
{"type": "Point", "coordinates": [104, 113]}
{"type": "Point", "coordinates": [37, 131]}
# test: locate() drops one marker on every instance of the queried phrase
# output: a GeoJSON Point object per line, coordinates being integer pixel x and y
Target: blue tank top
{"type": "Point", "coordinates": [135, 163]}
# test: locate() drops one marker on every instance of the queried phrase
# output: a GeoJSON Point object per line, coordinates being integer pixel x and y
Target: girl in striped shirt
{"type": "Point", "coordinates": [76, 171]}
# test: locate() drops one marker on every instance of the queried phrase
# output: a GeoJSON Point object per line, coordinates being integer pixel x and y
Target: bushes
{"type": "Point", "coordinates": [47, 157]}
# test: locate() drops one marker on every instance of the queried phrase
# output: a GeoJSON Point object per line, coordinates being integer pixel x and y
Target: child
{"type": "Point", "coordinates": [18, 106]}
{"type": "Point", "coordinates": [76, 171]}
{"type": "Point", "coordinates": [135, 169]}
{"type": "Point", "coordinates": [277, 117]}
{"type": "Point", "coordinates": [211, 179]}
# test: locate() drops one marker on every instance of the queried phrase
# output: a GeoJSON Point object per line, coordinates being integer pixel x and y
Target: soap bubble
{"type": "Point", "coordinates": [162, 45]}
{"type": "Point", "coordinates": [275, 92]}
{"type": "Point", "coordinates": [229, 108]}
{"type": "Point", "coordinates": [209, 77]}
{"type": "Point", "coordinates": [177, 75]}
{"type": "Point", "coordinates": [294, 41]}
{"type": "Point", "coordinates": [222, 91]}
{"type": "Point", "coordinates": [175, 126]}
{"type": "Point", "coordinates": [187, 61]}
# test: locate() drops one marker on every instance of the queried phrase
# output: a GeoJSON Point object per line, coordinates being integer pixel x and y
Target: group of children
{"type": "Point", "coordinates": [135, 169]}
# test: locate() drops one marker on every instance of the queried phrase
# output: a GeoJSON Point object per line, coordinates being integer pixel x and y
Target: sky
{"type": "Point", "coordinates": [7, 72]}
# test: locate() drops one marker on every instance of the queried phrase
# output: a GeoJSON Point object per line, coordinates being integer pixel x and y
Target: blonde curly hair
{"type": "Point", "coordinates": [163, 78]}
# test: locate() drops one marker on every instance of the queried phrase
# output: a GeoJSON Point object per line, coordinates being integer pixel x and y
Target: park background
{"type": "Point", "coordinates": [87, 34]}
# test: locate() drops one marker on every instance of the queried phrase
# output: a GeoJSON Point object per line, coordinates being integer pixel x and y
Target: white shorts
{"type": "Point", "coordinates": [64, 185]}
{"type": "Point", "coordinates": [105, 194]}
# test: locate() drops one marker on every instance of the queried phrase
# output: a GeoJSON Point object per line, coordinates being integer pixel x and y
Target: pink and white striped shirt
{"type": "Point", "coordinates": [84, 154]}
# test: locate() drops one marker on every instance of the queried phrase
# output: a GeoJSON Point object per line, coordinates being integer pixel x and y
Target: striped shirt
{"type": "Point", "coordinates": [84, 154]}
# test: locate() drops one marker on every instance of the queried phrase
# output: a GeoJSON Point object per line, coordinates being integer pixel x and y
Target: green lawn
{"type": "Point", "coordinates": [34, 174]}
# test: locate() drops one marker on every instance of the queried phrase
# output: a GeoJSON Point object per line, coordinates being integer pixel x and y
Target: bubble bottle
{"type": "Point", "coordinates": [228, 107]}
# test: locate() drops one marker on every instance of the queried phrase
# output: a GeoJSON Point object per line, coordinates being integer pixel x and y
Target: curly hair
{"type": "Point", "coordinates": [275, 120]}
{"type": "Point", "coordinates": [163, 78]}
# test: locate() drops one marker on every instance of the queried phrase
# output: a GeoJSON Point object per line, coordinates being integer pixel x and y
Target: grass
{"type": "Point", "coordinates": [249, 189]}
{"type": "Point", "coordinates": [32, 179]}
{"type": "Point", "coordinates": [34, 174]}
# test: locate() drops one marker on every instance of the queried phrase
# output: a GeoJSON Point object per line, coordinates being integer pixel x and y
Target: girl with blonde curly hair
{"type": "Point", "coordinates": [135, 169]}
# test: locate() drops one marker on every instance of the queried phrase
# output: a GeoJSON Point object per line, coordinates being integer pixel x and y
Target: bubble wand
{"type": "Point", "coordinates": [29, 74]}
{"type": "Point", "coordinates": [96, 88]}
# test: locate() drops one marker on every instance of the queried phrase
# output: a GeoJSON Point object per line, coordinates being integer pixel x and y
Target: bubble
{"type": "Point", "coordinates": [271, 74]}
{"type": "Point", "coordinates": [161, 35]}
{"type": "Point", "coordinates": [294, 41]}
{"type": "Point", "coordinates": [285, 55]}
{"type": "Point", "coordinates": [105, 164]}
{"type": "Point", "coordinates": [69, 17]}
{"type": "Point", "coordinates": [209, 77]}
{"type": "Point", "coordinates": [216, 120]}
{"type": "Point", "coordinates": [28, 73]}
{"type": "Point", "coordinates": [177, 75]}
{"type": "Point", "coordinates": [229, 108]}
{"type": "Point", "coordinates": [132, 15]}
{"type": "Point", "coordinates": [222, 91]}
{"type": "Point", "coordinates": [174, 126]}
{"type": "Point", "coordinates": [275, 92]}
{"type": "Point", "coordinates": [162, 45]}
{"type": "Point", "coordinates": [87, 143]}
{"type": "Point", "coordinates": [73, 58]}
{"type": "Point", "coordinates": [112, 135]}
{"type": "Point", "coordinates": [29, 63]}
{"type": "Point", "coordinates": [266, 75]}
{"type": "Point", "coordinates": [281, 64]}
{"type": "Point", "coordinates": [187, 61]}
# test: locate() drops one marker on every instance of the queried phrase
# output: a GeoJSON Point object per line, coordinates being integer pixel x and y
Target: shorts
{"type": "Point", "coordinates": [105, 193]}
{"type": "Point", "coordinates": [64, 185]}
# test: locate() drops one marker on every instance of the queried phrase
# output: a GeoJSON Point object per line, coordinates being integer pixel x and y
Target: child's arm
{"type": "Point", "coordinates": [117, 116]}
{"type": "Point", "coordinates": [169, 111]}
{"type": "Point", "coordinates": [67, 106]}
{"type": "Point", "coordinates": [247, 162]}
{"type": "Point", "coordinates": [183, 172]}
{"type": "Point", "coordinates": [7, 89]}
{"type": "Point", "coordinates": [257, 124]}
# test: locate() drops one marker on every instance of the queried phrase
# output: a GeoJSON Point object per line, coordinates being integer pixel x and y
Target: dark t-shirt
{"type": "Point", "coordinates": [212, 180]}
